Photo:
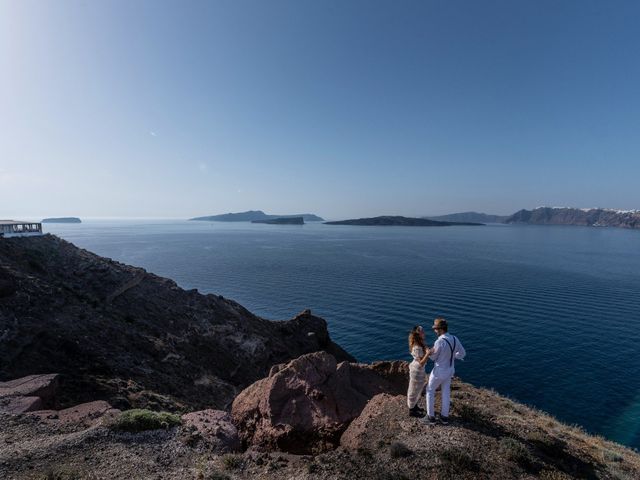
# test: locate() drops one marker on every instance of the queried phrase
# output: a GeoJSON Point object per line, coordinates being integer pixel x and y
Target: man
{"type": "Point", "coordinates": [446, 350]}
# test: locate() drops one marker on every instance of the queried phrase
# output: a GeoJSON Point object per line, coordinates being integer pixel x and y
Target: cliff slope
{"type": "Point", "coordinates": [121, 334]}
{"type": "Point", "coordinates": [590, 217]}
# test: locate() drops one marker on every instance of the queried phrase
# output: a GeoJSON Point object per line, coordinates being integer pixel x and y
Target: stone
{"type": "Point", "coordinates": [362, 432]}
{"type": "Point", "coordinates": [82, 415]}
{"type": "Point", "coordinates": [212, 429]}
{"type": "Point", "coordinates": [17, 405]}
{"type": "Point", "coordinates": [44, 386]}
{"type": "Point", "coordinates": [304, 406]}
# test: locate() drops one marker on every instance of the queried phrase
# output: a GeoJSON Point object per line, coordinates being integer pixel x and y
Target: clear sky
{"type": "Point", "coordinates": [340, 108]}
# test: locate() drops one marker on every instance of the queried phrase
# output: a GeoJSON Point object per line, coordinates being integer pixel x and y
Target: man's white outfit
{"type": "Point", "coordinates": [446, 350]}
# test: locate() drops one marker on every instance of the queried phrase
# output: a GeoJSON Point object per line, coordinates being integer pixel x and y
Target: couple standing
{"type": "Point", "coordinates": [445, 351]}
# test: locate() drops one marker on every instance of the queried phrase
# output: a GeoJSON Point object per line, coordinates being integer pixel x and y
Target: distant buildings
{"type": "Point", "coordinates": [14, 228]}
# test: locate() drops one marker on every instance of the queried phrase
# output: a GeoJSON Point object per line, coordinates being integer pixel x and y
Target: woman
{"type": "Point", "coordinates": [417, 374]}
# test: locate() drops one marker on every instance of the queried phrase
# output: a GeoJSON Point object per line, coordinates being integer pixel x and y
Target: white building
{"type": "Point", "coordinates": [13, 228]}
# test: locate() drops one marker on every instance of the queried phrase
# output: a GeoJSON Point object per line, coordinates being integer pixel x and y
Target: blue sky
{"type": "Point", "coordinates": [341, 108]}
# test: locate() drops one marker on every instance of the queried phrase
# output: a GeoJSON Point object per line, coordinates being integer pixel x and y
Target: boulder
{"type": "Point", "coordinates": [82, 415]}
{"type": "Point", "coordinates": [374, 422]}
{"type": "Point", "coordinates": [304, 406]}
{"type": "Point", "coordinates": [211, 429]}
{"type": "Point", "coordinates": [42, 386]}
{"type": "Point", "coordinates": [17, 405]}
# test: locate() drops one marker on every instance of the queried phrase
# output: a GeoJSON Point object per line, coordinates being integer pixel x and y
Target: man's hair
{"type": "Point", "coordinates": [441, 323]}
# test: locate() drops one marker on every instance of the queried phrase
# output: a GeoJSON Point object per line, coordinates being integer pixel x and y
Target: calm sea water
{"type": "Point", "coordinates": [549, 316]}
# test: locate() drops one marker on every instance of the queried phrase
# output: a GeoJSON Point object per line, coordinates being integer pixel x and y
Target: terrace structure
{"type": "Point", "coordinates": [15, 228]}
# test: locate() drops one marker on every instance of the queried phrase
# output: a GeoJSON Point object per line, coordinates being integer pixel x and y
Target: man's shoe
{"type": "Point", "coordinates": [444, 420]}
{"type": "Point", "coordinates": [427, 420]}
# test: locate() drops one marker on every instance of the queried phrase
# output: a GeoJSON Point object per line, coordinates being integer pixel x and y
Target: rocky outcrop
{"type": "Point", "coordinates": [27, 394]}
{"type": "Point", "coordinates": [391, 220]}
{"type": "Point", "coordinates": [588, 217]}
{"type": "Point", "coordinates": [305, 405]}
{"type": "Point", "coordinates": [117, 333]}
{"type": "Point", "coordinates": [211, 429]}
{"type": "Point", "coordinates": [82, 415]}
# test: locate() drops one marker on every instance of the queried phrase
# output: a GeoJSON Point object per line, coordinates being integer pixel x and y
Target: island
{"type": "Point", "coordinates": [399, 221]}
{"type": "Point", "coordinates": [588, 217]}
{"type": "Point", "coordinates": [474, 217]}
{"type": "Point", "coordinates": [252, 215]}
{"type": "Point", "coordinates": [61, 220]}
{"type": "Point", "coordinates": [282, 221]}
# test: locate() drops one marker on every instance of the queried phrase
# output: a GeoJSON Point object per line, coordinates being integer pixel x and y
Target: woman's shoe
{"type": "Point", "coordinates": [415, 412]}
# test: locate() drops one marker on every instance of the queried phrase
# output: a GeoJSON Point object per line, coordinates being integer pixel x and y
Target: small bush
{"type": "Point", "coordinates": [231, 462]}
{"type": "Point", "coordinates": [609, 456]}
{"type": "Point", "coordinates": [140, 420]}
{"type": "Point", "coordinates": [457, 460]}
{"type": "Point", "coordinates": [545, 443]}
{"type": "Point", "coordinates": [217, 476]}
{"type": "Point", "coordinates": [472, 415]}
{"type": "Point", "coordinates": [399, 450]}
{"type": "Point", "coordinates": [515, 451]}
{"type": "Point", "coordinates": [364, 452]}
{"type": "Point", "coordinates": [554, 475]}
{"type": "Point", "coordinates": [313, 468]}
{"type": "Point", "coordinates": [63, 473]}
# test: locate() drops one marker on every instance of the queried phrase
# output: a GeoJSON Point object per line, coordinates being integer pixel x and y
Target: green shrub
{"type": "Point", "coordinates": [473, 415]}
{"type": "Point", "coordinates": [218, 476]}
{"type": "Point", "coordinates": [140, 420]}
{"type": "Point", "coordinates": [231, 461]}
{"type": "Point", "coordinates": [545, 443]}
{"type": "Point", "coordinates": [513, 450]}
{"type": "Point", "coordinates": [64, 473]}
{"type": "Point", "coordinates": [457, 460]}
{"type": "Point", "coordinates": [399, 450]}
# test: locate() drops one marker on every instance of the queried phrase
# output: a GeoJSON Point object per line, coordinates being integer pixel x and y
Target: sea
{"type": "Point", "coordinates": [548, 315]}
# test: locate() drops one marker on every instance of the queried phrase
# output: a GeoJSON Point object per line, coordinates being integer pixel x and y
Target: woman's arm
{"type": "Point", "coordinates": [424, 359]}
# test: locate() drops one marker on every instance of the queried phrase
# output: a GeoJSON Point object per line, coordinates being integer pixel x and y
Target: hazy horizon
{"type": "Point", "coordinates": [159, 109]}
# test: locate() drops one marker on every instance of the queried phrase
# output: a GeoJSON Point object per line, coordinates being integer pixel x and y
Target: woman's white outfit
{"type": "Point", "coordinates": [417, 377]}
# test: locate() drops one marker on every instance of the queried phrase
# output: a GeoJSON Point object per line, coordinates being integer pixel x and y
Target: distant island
{"type": "Point", "coordinates": [589, 217]}
{"type": "Point", "coordinates": [388, 220]}
{"type": "Point", "coordinates": [473, 217]}
{"type": "Point", "coordinates": [282, 221]}
{"type": "Point", "coordinates": [62, 220]}
{"type": "Point", "coordinates": [253, 215]}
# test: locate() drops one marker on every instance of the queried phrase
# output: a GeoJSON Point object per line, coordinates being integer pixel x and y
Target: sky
{"type": "Point", "coordinates": [340, 108]}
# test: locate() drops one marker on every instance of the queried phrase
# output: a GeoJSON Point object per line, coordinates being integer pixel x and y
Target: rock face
{"type": "Point", "coordinates": [27, 394]}
{"type": "Point", "coordinates": [120, 334]}
{"type": "Point", "coordinates": [305, 405]}
{"type": "Point", "coordinates": [212, 429]}
{"type": "Point", "coordinates": [255, 215]}
{"type": "Point", "coordinates": [282, 221]}
{"type": "Point", "coordinates": [473, 217]}
{"type": "Point", "coordinates": [399, 221]}
{"type": "Point", "coordinates": [589, 217]}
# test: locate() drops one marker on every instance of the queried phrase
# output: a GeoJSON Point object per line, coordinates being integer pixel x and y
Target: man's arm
{"type": "Point", "coordinates": [460, 352]}
{"type": "Point", "coordinates": [435, 351]}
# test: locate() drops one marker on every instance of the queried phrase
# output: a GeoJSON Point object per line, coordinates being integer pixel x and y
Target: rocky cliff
{"type": "Point", "coordinates": [121, 334]}
{"type": "Point", "coordinates": [590, 217]}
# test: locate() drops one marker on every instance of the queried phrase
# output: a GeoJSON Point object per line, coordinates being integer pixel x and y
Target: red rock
{"type": "Point", "coordinates": [17, 405]}
{"type": "Point", "coordinates": [212, 428]}
{"type": "Point", "coordinates": [85, 414]}
{"type": "Point", "coordinates": [361, 433]}
{"type": "Point", "coordinates": [43, 386]}
{"type": "Point", "coordinates": [305, 405]}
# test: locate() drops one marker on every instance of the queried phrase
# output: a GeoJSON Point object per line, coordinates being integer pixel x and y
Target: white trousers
{"type": "Point", "coordinates": [444, 382]}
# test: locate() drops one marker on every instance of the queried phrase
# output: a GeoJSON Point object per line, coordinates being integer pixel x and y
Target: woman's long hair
{"type": "Point", "coordinates": [415, 338]}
